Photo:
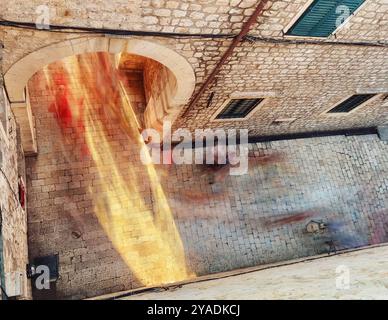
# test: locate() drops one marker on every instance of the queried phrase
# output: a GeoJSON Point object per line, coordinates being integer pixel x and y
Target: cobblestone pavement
{"type": "Point", "coordinates": [316, 279]}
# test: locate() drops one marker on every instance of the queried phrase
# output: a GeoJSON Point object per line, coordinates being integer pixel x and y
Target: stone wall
{"type": "Point", "coordinates": [300, 80]}
{"type": "Point", "coordinates": [199, 16]}
{"type": "Point", "coordinates": [77, 202]}
{"type": "Point", "coordinates": [189, 16]}
{"type": "Point", "coordinates": [160, 87]}
{"type": "Point", "coordinates": [117, 224]}
{"type": "Point", "coordinates": [13, 229]}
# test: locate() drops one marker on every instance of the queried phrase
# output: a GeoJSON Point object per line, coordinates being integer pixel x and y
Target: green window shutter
{"type": "Point", "coordinates": [320, 19]}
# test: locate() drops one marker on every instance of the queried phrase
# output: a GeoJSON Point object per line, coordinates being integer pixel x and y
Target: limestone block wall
{"type": "Point", "coordinates": [14, 217]}
{"type": "Point", "coordinates": [298, 81]}
{"type": "Point", "coordinates": [302, 80]}
{"type": "Point", "coordinates": [117, 224]}
{"type": "Point", "coordinates": [200, 16]}
{"type": "Point", "coordinates": [84, 201]}
{"type": "Point", "coordinates": [222, 16]}
{"type": "Point", "coordinates": [93, 206]}
{"type": "Point", "coordinates": [160, 86]}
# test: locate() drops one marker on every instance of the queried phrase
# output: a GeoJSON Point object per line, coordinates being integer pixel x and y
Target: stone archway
{"type": "Point", "coordinates": [17, 76]}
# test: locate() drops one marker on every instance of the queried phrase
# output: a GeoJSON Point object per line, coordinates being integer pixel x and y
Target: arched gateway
{"type": "Point", "coordinates": [181, 78]}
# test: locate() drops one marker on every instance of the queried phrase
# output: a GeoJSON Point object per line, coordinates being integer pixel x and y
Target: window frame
{"type": "Point", "coordinates": [356, 109]}
{"type": "Point", "coordinates": [302, 11]}
{"type": "Point", "coordinates": [244, 97]}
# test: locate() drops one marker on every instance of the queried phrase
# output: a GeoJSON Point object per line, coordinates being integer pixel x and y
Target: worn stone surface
{"type": "Point", "coordinates": [311, 280]}
{"type": "Point", "coordinates": [383, 132]}
{"type": "Point", "coordinates": [200, 16]}
{"type": "Point", "coordinates": [242, 221]}
{"type": "Point", "coordinates": [14, 218]}
{"type": "Point", "coordinates": [302, 81]}
{"type": "Point", "coordinates": [91, 200]}
{"type": "Point", "coordinates": [107, 215]}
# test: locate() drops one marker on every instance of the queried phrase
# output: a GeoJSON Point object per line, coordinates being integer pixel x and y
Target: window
{"type": "Point", "coordinates": [323, 17]}
{"type": "Point", "coordinates": [238, 108]}
{"type": "Point", "coordinates": [351, 103]}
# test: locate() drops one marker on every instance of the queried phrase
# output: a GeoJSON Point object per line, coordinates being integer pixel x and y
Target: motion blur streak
{"type": "Point", "coordinates": [144, 234]}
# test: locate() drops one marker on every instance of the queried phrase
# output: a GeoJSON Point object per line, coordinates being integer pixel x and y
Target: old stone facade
{"type": "Point", "coordinates": [117, 224]}
{"type": "Point", "coordinates": [13, 218]}
{"type": "Point", "coordinates": [102, 212]}
{"type": "Point", "coordinates": [300, 80]}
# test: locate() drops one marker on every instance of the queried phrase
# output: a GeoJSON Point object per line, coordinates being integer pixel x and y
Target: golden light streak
{"type": "Point", "coordinates": [128, 109]}
{"type": "Point", "coordinates": [146, 238]}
